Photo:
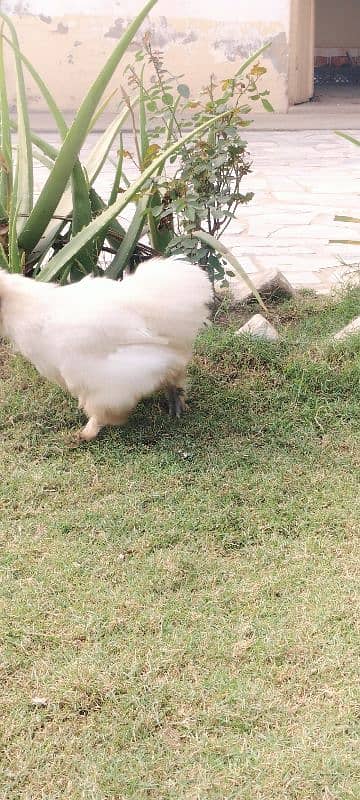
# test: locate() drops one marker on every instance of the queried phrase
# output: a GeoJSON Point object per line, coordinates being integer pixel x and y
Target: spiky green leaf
{"type": "Point", "coordinates": [14, 253]}
{"type": "Point", "coordinates": [4, 264]}
{"type": "Point", "coordinates": [99, 153]}
{"type": "Point", "coordinates": [229, 256]}
{"type": "Point", "coordinates": [344, 241]}
{"type": "Point", "coordinates": [348, 138]}
{"type": "Point", "coordinates": [118, 173]}
{"type": "Point", "coordinates": [339, 218]}
{"type": "Point", "coordinates": [25, 178]}
{"type": "Point", "coordinates": [130, 240]}
{"type": "Point", "coordinates": [246, 64]}
{"type": "Point", "coordinates": [56, 183]}
{"type": "Point", "coordinates": [5, 139]}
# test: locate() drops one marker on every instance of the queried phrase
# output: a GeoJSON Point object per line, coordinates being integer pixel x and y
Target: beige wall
{"type": "Point", "coordinates": [301, 51]}
{"type": "Point", "coordinates": [69, 40]}
{"type": "Point", "coordinates": [337, 24]}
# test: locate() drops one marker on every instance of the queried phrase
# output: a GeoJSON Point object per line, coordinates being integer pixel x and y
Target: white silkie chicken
{"type": "Point", "coordinates": [108, 343]}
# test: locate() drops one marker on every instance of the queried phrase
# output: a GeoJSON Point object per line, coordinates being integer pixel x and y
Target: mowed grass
{"type": "Point", "coordinates": [183, 597]}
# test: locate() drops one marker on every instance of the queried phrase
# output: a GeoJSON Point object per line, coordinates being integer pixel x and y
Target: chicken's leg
{"type": "Point", "coordinates": [91, 430]}
{"type": "Point", "coordinates": [176, 401]}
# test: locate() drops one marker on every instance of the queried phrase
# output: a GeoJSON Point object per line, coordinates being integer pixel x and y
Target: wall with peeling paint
{"type": "Point", "coordinates": [68, 44]}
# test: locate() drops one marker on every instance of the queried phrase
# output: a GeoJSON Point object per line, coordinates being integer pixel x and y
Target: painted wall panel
{"type": "Point", "coordinates": [69, 40]}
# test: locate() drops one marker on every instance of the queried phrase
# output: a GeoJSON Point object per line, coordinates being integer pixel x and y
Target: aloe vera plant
{"type": "Point", "coordinates": [61, 234]}
{"type": "Point", "coordinates": [32, 232]}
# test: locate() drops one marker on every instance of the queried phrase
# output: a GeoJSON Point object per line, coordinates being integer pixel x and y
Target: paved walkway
{"type": "Point", "coordinates": [301, 179]}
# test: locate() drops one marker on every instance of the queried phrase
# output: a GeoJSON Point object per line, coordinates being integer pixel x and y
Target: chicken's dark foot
{"type": "Point", "coordinates": [176, 401]}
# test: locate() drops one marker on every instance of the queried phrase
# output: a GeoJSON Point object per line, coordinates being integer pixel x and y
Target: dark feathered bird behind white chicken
{"type": "Point", "coordinates": [108, 343]}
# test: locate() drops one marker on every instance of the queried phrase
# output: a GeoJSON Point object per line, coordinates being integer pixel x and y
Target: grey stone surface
{"type": "Point", "coordinates": [259, 327]}
{"type": "Point", "coordinates": [271, 284]}
{"type": "Point", "coordinates": [350, 330]}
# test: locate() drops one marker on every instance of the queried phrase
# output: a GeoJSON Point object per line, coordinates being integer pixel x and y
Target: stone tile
{"type": "Point", "coordinates": [313, 232]}
{"type": "Point", "coordinates": [297, 264]}
{"type": "Point", "coordinates": [252, 246]}
{"type": "Point", "coordinates": [307, 279]}
{"type": "Point", "coordinates": [323, 200]}
{"type": "Point", "coordinates": [266, 225]}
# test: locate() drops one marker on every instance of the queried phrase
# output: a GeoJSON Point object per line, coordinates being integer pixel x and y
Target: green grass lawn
{"type": "Point", "coordinates": [185, 595]}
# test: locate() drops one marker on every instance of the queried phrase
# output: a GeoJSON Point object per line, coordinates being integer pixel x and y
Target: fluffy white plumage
{"type": "Point", "coordinates": [108, 343]}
